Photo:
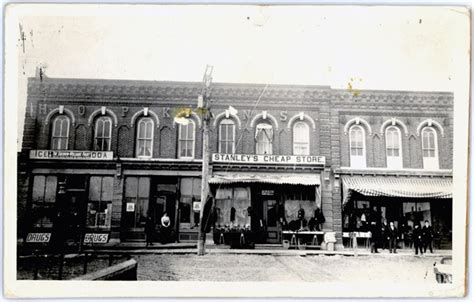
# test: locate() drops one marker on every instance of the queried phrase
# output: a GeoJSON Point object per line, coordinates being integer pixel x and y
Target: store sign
{"type": "Point", "coordinates": [268, 192]}
{"type": "Point", "coordinates": [96, 238]}
{"type": "Point", "coordinates": [196, 206]}
{"type": "Point", "coordinates": [38, 237]}
{"type": "Point", "coordinates": [130, 207]}
{"type": "Point", "coordinates": [268, 159]}
{"type": "Point", "coordinates": [74, 155]}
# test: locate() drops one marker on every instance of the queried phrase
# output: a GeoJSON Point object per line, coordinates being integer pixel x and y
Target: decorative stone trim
{"type": "Point", "coordinates": [393, 121]}
{"type": "Point", "coordinates": [264, 116]}
{"type": "Point", "coordinates": [145, 112]}
{"type": "Point", "coordinates": [357, 121]}
{"type": "Point", "coordinates": [227, 114]}
{"type": "Point", "coordinates": [429, 122]}
{"type": "Point", "coordinates": [102, 111]}
{"type": "Point", "coordinates": [60, 110]}
{"type": "Point", "coordinates": [302, 117]}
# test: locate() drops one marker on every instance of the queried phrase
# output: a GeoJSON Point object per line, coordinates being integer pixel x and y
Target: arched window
{"type": "Point", "coordinates": [227, 136]}
{"type": "Point", "coordinates": [103, 134]}
{"type": "Point", "coordinates": [300, 139]}
{"type": "Point", "coordinates": [144, 146]}
{"type": "Point", "coordinates": [429, 145]}
{"type": "Point", "coordinates": [186, 139]}
{"type": "Point", "coordinates": [357, 147]}
{"type": "Point", "coordinates": [264, 138]}
{"type": "Point", "coordinates": [60, 134]}
{"type": "Point", "coordinates": [393, 145]}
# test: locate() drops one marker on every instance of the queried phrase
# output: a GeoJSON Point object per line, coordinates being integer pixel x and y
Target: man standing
{"type": "Point", "coordinates": [374, 238]}
{"type": "Point", "coordinates": [427, 236]}
{"type": "Point", "coordinates": [392, 234]}
{"type": "Point", "coordinates": [417, 239]}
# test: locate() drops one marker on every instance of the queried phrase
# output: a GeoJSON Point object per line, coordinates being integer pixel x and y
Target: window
{"type": "Point", "coordinates": [99, 207]}
{"type": "Point", "coordinates": [103, 134]}
{"type": "Point", "coordinates": [227, 136]}
{"type": "Point", "coordinates": [137, 194]}
{"type": "Point", "coordinates": [264, 138]}
{"type": "Point", "coordinates": [186, 140]}
{"type": "Point", "coordinates": [145, 138]}
{"type": "Point", "coordinates": [429, 145]}
{"type": "Point", "coordinates": [301, 139]}
{"type": "Point", "coordinates": [43, 199]}
{"type": "Point", "coordinates": [357, 147]}
{"type": "Point", "coordinates": [393, 148]}
{"type": "Point", "coordinates": [190, 189]}
{"type": "Point", "coordinates": [60, 135]}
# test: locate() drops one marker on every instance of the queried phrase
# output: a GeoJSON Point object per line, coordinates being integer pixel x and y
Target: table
{"type": "Point", "coordinates": [363, 235]}
{"type": "Point", "coordinates": [300, 238]}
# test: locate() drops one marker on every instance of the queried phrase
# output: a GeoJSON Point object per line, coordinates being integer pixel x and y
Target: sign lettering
{"type": "Point", "coordinates": [74, 155]}
{"type": "Point", "coordinates": [247, 114]}
{"type": "Point", "coordinates": [268, 159]}
{"type": "Point", "coordinates": [283, 115]}
{"type": "Point", "coordinates": [81, 109]}
{"type": "Point", "coordinates": [43, 108]}
{"type": "Point", "coordinates": [166, 112]}
{"type": "Point", "coordinates": [96, 238]}
{"type": "Point", "coordinates": [124, 111]}
{"type": "Point", "coordinates": [38, 237]}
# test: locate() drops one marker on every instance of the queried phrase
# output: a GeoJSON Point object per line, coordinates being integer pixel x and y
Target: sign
{"type": "Point", "coordinates": [196, 206]}
{"type": "Point", "coordinates": [130, 207]}
{"type": "Point", "coordinates": [268, 159]}
{"type": "Point", "coordinates": [74, 155]}
{"type": "Point", "coordinates": [96, 237]}
{"type": "Point", "coordinates": [38, 237]}
{"type": "Point", "coordinates": [268, 192]}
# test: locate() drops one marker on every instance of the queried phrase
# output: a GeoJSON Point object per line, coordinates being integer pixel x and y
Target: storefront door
{"type": "Point", "coordinates": [269, 212]}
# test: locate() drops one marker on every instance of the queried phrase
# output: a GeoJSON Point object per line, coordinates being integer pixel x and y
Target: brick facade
{"type": "Point", "coordinates": [326, 111]}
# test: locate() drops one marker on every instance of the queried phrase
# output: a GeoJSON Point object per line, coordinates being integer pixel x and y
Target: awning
{"type": "Point", "coordinates": [392, 186]}
{"type": "Point", "coordinates": [271, 178]}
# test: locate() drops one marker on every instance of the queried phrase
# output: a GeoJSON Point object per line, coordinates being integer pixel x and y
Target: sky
{"type": "Point", "coordinates": [394, 48]}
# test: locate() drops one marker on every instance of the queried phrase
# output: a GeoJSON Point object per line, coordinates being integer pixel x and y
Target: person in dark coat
{"type": "Point", "coordinates": [149, 230]}
{"type": "Point", "coordinates": [165, 229]}
{"type": "Point", "coordinates": [392, 236]}
{"type": "Point", "coordinates": [375, 237]}
{"type": "Point", "coordinates": [427, 236]}
{"type": "Point", "coordinates": [417, 239]}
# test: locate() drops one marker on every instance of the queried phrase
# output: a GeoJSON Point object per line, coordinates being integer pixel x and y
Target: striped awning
{"type": "Point", "coordinates": [271, 178]}
{"type": "Point", "coordinates": [392, 186]}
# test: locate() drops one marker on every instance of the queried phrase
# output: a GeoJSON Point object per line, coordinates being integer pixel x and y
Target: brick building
{"type": "Point", "coordinates": [105, 154]}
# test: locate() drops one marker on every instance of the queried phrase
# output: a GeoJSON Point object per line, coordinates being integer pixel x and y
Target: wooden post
{"type": "Point", "coordinates": [205, 106]}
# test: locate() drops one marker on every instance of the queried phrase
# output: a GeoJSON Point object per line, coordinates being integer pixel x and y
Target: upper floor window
{"type": "Point", "coordinates": [393, 148]}
{"type": "Point", "coordinates": [357, 147]}
{"type": "Point", "coordinates": [60, 134]}
{"type": "Point", "coordinates": [300, 139]}
{"type": "Point", "coordinates": [227, 136]}
{"type": "Point", "coordinates": [144, 146]}
{"type": "Point", "coordinates": [103, 134]}
{"type": "Point", "coordinates": [429, 145]}
{"type": "Point", "coordinates": [264, 138]}
{"type": "Point", "coordinates": [186, 140]}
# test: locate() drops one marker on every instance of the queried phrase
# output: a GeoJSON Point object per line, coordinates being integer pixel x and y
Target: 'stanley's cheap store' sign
{"type": "Point", "coordinates": [268, 159]}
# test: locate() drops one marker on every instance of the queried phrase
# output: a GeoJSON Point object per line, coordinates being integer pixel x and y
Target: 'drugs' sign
{"type": "Point", "coordinates": [268, 159]}
{"type": "Point", "coordinates": [100, 238]}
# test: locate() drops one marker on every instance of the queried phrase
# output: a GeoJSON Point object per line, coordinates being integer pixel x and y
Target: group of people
{"type": "Point", "coordinates": [165, 230]}
{"type": "Point", "coordinates": [388, 236]}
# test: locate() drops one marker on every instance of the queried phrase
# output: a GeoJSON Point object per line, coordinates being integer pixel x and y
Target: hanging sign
{"type": "Point", "coordinates": [74, 155]}
{"type": "Point", "coordinates": [268, 159]}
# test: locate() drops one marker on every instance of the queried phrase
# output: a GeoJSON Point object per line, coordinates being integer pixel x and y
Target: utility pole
{"type": "Point", "coordinates": [204, 105]}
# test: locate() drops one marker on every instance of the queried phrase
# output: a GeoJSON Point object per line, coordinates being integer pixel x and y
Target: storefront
{"type": "Point", "coordinates": [264, 202]}
{"type": "Point", "coordinates": [403, 200]}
